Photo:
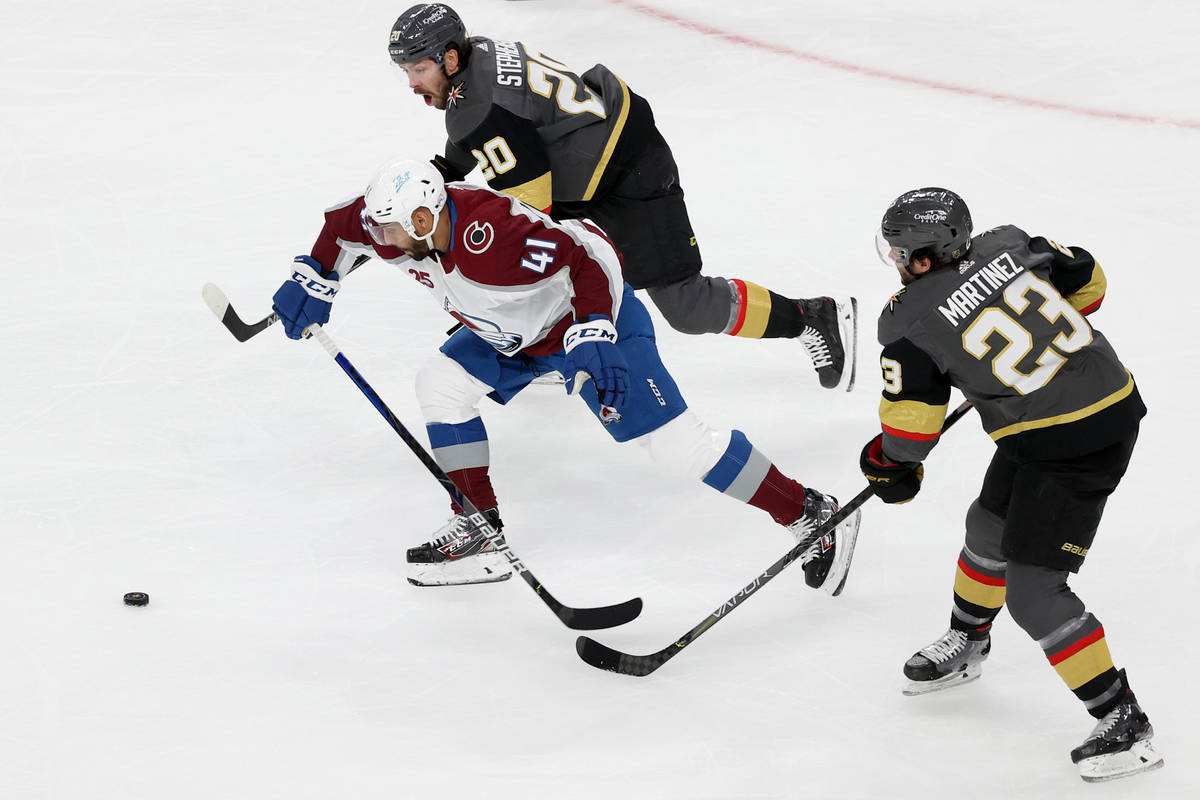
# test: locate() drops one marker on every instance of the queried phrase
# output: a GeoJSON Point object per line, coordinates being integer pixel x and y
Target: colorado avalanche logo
{"type": "Point", "coordinates": [478, 236]}
{"type": "Point", "coordinates": [489, 331]}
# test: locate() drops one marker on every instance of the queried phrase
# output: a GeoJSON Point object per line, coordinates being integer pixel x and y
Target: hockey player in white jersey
{"type": "Point", "coordinates": [536, 296]}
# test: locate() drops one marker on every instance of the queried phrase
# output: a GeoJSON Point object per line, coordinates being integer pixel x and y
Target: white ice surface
{"type": "Point", "coordinates": [150, 147]}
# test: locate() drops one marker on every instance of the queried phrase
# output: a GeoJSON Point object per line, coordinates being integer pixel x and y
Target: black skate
{"type": "Point", "coordinates": [827, 562]}
{"type": "Point", "coordinates": [830, 336]}
{"type": "Point", "coordinates": [952, 660]}
{"type": "Point", "coordinates": [1119, 745]}
{"type": "Point", "coordinates": [460, 553]}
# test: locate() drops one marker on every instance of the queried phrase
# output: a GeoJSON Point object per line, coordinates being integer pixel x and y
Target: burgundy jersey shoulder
{"type": "Point", "coordinates": [500, 241]}
{"type": "Point", "coordinates": [343, 232]}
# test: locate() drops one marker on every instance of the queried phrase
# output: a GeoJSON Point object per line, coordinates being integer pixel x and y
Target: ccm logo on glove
{"type": "Point", "coordinates": [592, 352]}
{"type": "Point", "coordinates": [600, 330]}
{"type": "Point", "coordinates": [313, 283]}
{"type": "Point", "coordinates": [305, 298]}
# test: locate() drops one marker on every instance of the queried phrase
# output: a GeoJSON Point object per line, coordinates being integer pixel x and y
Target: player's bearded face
{"type": "Point", "coordinates": [395, 235]}
{"type": "Point", "coordinates": [427, 80]}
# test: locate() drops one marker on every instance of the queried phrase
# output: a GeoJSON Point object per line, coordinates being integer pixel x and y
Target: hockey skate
{"type": "Point", "coordinates": [460, 553]}
{"type": "Point", "coordinates": [827, 562]}
{"type": "Point", "coordinates": [830, 336]}
{"type": "Point", "coordinates": [1119, 745]}
{"type": "Point", "coordinates": [952, 660]}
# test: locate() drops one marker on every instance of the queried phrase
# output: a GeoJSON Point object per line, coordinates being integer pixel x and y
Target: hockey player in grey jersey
{"type": "Point", "coordinates": [586, 146]}
{"type": "Point", "coordinates": [1001, 316]}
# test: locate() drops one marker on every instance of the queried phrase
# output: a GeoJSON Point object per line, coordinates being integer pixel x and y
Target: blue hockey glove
{"type": "Point", "coordinates": [305, 298]}
{"type": "Point", "coordinates": [891, 481]}
{"type": "Point", "coordinates": [592, 352]}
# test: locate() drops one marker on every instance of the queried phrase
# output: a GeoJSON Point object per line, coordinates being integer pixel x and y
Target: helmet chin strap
{"type": "Point", "coordinates": [427, 238]}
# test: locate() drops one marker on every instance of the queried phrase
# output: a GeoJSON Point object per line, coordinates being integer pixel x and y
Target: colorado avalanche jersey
{"type": "Point", "coordinates": [511, 274]}
{"type": "Point", "coordinates": [1005, 325]}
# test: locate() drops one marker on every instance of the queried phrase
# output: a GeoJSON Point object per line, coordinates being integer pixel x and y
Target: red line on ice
{"type": "Point", "coordinates": [895, 77]}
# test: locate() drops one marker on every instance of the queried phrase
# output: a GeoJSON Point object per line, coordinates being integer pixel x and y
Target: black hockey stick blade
{"type": "Point", "coordinates": [241, 330]}
{"type": "Point", "coordinates": [219, 303]}
{"type": "Point", "coordinates": [591, 619]}
{"type": "Point", "coordinates": [604, 657]}
{"type": "Point", "coordinates": [577, 619]}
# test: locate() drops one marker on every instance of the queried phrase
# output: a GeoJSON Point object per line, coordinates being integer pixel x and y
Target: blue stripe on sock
{"type": "Point", "coordinates": [725, 471]}
{"type": "Point", "coordinates": [446, 435]}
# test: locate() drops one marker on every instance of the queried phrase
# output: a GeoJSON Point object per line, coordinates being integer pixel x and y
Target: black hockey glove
{"type": "Point", "coordinates": [890, 481]}
{"type": "Point", "coordinates": [450, 173]}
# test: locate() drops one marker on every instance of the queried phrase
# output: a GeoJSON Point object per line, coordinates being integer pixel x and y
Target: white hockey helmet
{"type": "Point", "coordinates": [399, 189]}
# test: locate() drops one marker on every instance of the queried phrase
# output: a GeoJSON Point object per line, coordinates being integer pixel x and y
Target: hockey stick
{"type": "Point", "coordinates": [604, 657]}
{"type": "Point", "coordinates": [219, 303]}
{"type": "Point", "coordinates": [580, 619]}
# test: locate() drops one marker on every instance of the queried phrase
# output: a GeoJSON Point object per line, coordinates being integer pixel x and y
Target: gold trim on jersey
{"type": "Point", "coordinates": [1062, 419]}
{"type": "Point", "coordinates": [618, 127]}
{"type": "Point", "coordinates": [537, 192]}
{"type": "Point", "coordinates": [1091, 293]}
{"type": "Point", "coordinates": [912, 419]}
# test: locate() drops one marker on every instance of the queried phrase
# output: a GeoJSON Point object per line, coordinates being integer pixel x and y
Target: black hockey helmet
{"type": "Point", "coordinates": [425, 31]}
{"type": "Point", "coordinates": [933, 220]}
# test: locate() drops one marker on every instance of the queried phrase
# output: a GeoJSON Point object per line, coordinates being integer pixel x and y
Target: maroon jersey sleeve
{"type": "Point", "coordinates": [342, 238]}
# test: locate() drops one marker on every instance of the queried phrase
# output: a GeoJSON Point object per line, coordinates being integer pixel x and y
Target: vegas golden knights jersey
{"type": "Point", "coordinates": [1006, 326]}
{"type": "Point", "coordinates": [520, 116]}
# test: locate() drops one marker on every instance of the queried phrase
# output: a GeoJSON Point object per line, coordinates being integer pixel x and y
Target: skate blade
{"type": "Point", "coordinates": [914, 688]}
{"type": "Point", "coordinates": [846, 536]}
{"type": "Point", "coordinates": [480, 568]}
{"type": "Point", "coordinates": [1140, 757]}
{"type": "Point", "coordinates": [848, 329]}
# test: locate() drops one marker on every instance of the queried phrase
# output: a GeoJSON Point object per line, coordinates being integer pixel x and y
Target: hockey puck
{"type": "Point", "coordinates": [137, 599]}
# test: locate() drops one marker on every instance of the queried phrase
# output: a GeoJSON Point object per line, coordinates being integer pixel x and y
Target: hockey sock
{"type": "Point", "coordinates": [462, 451]}
{"type": "Point", "coordinates": [979, 588]}
{"type": "Point", "coordinates": [780, 496]}
{"type": "Point", "coordinates": [746, 474]}
{"type": "Point", "coordinates": [1079, 654]}
{"type": "Point", "coordinates": [763, 314]}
